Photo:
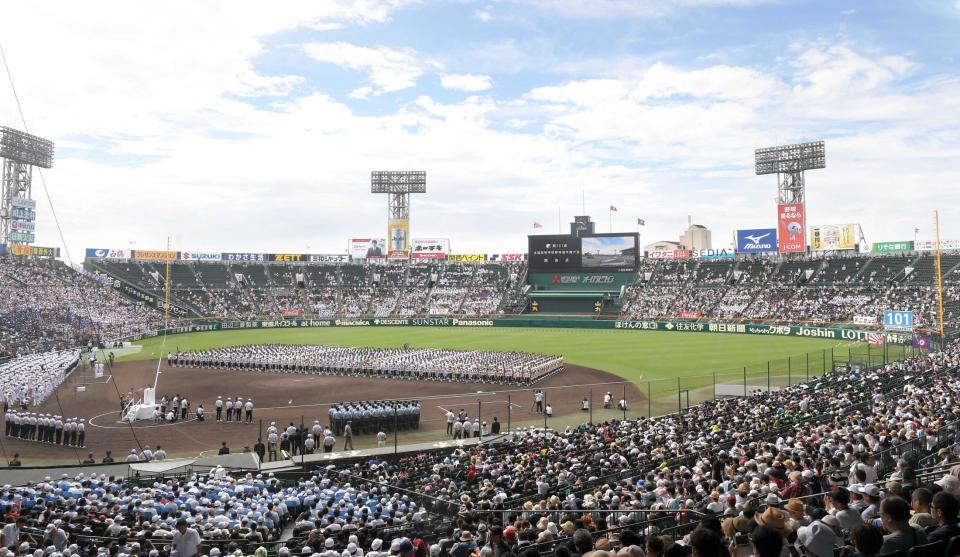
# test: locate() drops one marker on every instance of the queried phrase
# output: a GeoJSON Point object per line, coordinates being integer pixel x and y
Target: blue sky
{"type": "Point", "coordinates": [198, 120]}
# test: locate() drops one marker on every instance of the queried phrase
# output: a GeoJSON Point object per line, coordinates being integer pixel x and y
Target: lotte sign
{"type": "Point", "coordinates": [791, 237]}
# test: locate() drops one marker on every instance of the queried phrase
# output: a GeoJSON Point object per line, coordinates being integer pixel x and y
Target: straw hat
{"type": "Point", "coordinates": [773, 518]}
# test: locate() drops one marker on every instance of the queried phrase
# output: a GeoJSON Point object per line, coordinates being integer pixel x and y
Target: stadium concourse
{"type": "Point", "coordinates": [861, 457]}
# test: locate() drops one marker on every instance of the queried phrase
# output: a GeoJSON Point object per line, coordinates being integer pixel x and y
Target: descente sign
{"type": "Point", "coordinates": [838, 333]}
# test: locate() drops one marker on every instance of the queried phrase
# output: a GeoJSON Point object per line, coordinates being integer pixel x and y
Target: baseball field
{"type": "Point", "coordinates": [656, 372]}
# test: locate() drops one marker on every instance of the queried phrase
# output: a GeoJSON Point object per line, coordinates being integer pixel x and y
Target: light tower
{"type": "Point", "coordinates": [398, 185]}
{"type": "Point", "coordinates": [789, 162]}
{"type": "Point", "coordinates": [18, 211]}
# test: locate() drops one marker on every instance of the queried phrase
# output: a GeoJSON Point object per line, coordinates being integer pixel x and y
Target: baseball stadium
{"type": "Point", "coordinates": [586, 392]}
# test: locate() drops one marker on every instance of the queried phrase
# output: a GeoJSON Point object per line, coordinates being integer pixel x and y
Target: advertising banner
{"type": "Point", "coordinates": [930, 245]}
{"type": "Point", "coordinates": [801, 331]}
{"type": "Point", "coordinates": [21, 236]}
{"type": "Point", "coordinates": [104, 253]}
{"type": "Point", "coordinates": [712, 254]}
{"type": "Point", "coordinates": [155, 255]}
{"type": "Point", "coordinates": [865, 319]}
{"type": "Point", "coordinates": [398, 233]}
{"type": "Point", "coordinates": [287, 257]}
{"type": "Point", "coordinates": [790, 228]}
{"type": "Point", "coordinates": [34, 251]}
{"type": "Point", "coordinates": [757, 240]}
{"type": "Point", "coordinates": [892, 247]}
{"type": "Point", "coordinates": [17, 224]}
{"type": "Point", "coordinates": [241, 257]}
{"type": "Point", "coordinates": [24, 203]}
{"type": "Point", "coordinates": [592, 282]}
{"type": "Point", "coordinates": [22, 213]}
{"type": "Point", "coordinates": [689, 315]}
{"type": "Point", "coordinates": [429, 248]}
{"type": "Point", "coordinates": [833, 237]}
{"type": "Point", "coordinates": [507, 257]}
{"type": "Point", "coordinates": [670, 254]}
{"type": "Point", "coordinates": [466, 257]}
{"type": "Point", "coordinates": [367, 248]}
{"type": "Point", "coordinates": [201, 256]}
{"type": "Point", "coordinates": [329, 257]}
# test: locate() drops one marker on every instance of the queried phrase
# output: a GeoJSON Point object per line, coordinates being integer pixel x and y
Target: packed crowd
{"type": "Point", "coordinates": [817, 466]}
{"type": "Point", "coordinates": [251, 290]}
{"type": "Point", "coordinates": [29, 380]}
{"type": "Point", "coordinates": [401, 363]}
{"type": "Point", "coordinates": [45, 305]}
{"type": "Point", "coordinates": [840, 290]}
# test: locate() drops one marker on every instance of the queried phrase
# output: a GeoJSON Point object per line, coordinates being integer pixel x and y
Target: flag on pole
{"type": "Point", "coordinates": [877, 339]}
{"type": "Point", "coordinates": [613, 209]}
{"type": "Point", "coordinates": [641, 222]}
{"type": "Point", "coordinates": [537, 224]}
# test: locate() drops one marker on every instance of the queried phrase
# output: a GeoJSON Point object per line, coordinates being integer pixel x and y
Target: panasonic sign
{"type": "Point", "coordinates": [757, 240]}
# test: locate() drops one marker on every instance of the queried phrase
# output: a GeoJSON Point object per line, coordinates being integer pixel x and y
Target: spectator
{"type": "Point", "coordinates": [920, 502]}
{"type": "Point", "coordinates": [866, 540]}
{"type": "Point", "coordinates": [944, 508]}
{"type": "Point", "coordinates": [186, 540]}
{"type": "Point", "coordinates": [817, 539]}
{"type": "Point", "coordinates": [707, 543]}
{"type": "Point", "coordinates": [895, 516]}
{"type": "Point", "coordinates": [10, 535]}
{"type": "Point", "coordinates": [495, 546]}
{"type": "Point", "coordinates": [766, 542]}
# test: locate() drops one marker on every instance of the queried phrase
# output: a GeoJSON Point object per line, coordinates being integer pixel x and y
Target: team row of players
{"type": "Point", "coordinates": [374, 416]}
{"type": "Point", "coordinates": [45, 428]}
{"type": "Point", "coordinates": [428, 364]}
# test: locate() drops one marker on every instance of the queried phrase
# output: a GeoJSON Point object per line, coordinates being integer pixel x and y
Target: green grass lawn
{"type": "Point", "coordinates": [671, 369]}
{"type": "Point", "coordinates": [637, 356]}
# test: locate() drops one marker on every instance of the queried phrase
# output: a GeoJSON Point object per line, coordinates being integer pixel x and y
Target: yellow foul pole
{"type": "Point", "coordinates": [939, 277]}
{"type": "Point", "coordinates": [166, 291]}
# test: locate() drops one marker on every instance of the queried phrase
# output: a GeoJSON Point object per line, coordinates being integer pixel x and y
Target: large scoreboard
{"type": "Point", "coordinates": [561, 253]}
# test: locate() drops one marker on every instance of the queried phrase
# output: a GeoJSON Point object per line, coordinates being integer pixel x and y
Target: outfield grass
{"type": "Point", "coordinates": [638, 356]}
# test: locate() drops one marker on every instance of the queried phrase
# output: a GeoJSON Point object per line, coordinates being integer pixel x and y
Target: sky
{"type": "Point", "coordinates": [254, 126]}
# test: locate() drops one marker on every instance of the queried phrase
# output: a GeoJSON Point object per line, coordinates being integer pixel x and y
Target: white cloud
{"type": "Point", "coordinates": [605, 9]}
{"type": "Point", "coordinates": [828, 71]}
{"type": "Point", "coordinates": [466, 82]}
{"type": "Point", "coordinates": [483, 15]}
{"type": "Point", "coordinates": [361, 93]}
{"type": "Point", "coordinates": [169, 142]}
{"type": "Point", "coordinates": [388, 69]}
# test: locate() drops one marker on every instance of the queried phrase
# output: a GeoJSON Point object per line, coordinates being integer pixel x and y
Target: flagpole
{"type": "Point", "coordinates": [611, 218]}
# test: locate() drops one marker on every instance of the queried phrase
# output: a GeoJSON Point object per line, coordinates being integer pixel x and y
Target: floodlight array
{"type": "Point", "coordinates": [790, 158]}
{"type": "Point", "coordinates": [24, 148]}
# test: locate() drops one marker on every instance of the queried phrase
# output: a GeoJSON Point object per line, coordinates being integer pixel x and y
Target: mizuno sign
{"type": "Point", "coordinates": [757, 240]}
